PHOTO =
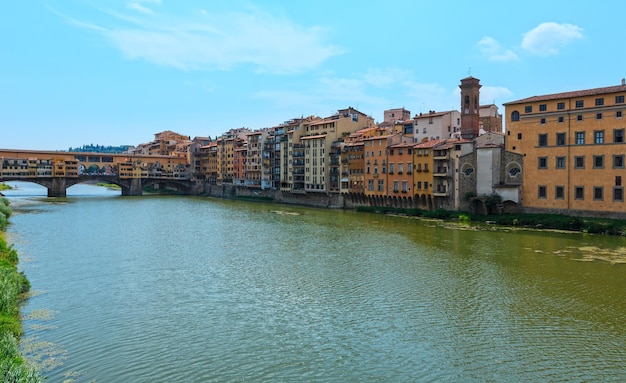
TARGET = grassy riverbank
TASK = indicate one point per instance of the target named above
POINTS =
(535, 221)
(13, 286)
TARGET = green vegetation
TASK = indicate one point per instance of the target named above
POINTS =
(13, 286)
(91, 148)
(110, 186)
(4, 186)
(535, 221)
(254, 198)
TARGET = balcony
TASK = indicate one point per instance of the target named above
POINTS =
(440, 172)
(441, 191)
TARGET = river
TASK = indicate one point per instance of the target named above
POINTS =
(195, 289)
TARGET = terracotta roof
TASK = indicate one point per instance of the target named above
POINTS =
(573, 94)
(488, 145)
(383, 137)
(310, 137)
(434, 114)
(402, 145)
(428, 144)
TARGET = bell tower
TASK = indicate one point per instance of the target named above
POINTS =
(470, 98)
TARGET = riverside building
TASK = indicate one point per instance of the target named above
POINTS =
(573, 148)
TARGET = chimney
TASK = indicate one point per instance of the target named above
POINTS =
(623, 81)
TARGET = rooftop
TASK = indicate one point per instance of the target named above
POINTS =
(572, 94)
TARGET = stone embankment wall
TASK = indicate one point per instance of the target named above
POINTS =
(326, 200)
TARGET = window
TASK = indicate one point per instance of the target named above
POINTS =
(560, 139)
(391, 168)
(618, 180)
(381, 185)
(395, 186)
(618, 194)
(618, 161)
(426, 185)
(560, 162)
(618, 114)
(400, 168)
(419, 185)
(561, 119)
(370, 185)
(599, 101)
(515, 116)
(542, 107)
(580, 104)
(404, 186)
(409, 168)
(618, 135)
(542, 162)
(598, 193)
(598, 116)
(579, 117)
(579, 162)
(619, 99)
(519, 136)
(598, 162)
(543, 140)
(513, 172)
(559, 192)
(580, 138)
(543, 121)
(560, 105)
(541, 192)
(598, 136)
(579, 192)
(528, 109)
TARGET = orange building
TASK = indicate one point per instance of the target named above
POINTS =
(400, 172)
(574, 150)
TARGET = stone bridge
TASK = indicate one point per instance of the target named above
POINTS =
(57, 186)
(57, 171)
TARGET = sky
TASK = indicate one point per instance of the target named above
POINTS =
(115, 72)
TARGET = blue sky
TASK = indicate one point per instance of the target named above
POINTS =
(116, 72)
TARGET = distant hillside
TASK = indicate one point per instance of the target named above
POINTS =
(100, 149)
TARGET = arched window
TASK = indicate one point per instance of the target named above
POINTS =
(515, 116)
(513, 169)
(468, 170)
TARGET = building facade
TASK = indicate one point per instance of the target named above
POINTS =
(573, 148)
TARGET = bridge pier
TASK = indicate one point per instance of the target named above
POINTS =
(58, 188)
(135, 188)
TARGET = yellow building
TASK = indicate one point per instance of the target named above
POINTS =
(422, 173)
(573, 148)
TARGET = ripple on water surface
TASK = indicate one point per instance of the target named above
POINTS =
(195, 290)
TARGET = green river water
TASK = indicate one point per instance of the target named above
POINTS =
(194, 289)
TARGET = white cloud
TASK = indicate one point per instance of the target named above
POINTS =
(547, 38)
(383, 77)
(214, 41)
(489, 47)
(430, 96)
(330, 92)
(494, 94)
(137, 5)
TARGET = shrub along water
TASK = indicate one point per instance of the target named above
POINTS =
(537, 221)
(13, 286)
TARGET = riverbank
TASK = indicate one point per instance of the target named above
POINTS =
(13, 286)
(535, 221)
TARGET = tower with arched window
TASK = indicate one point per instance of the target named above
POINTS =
(470, 103)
